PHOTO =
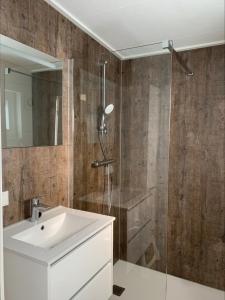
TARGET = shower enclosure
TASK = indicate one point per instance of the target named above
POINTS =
(145, 129)
(164, 141)
(135, 184)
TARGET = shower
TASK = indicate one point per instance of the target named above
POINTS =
(102, 130)
(103, 109)
(103, 112)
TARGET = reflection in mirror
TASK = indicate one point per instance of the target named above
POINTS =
(32, 96)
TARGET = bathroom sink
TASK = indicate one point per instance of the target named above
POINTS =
(59, 231)
(63, 255)
(50, 233)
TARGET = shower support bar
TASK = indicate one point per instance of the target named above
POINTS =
(169, 45)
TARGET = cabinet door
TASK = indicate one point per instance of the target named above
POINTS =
(99, 288)
(74, 270)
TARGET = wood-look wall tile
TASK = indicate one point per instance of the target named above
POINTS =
(39, 23)
(52, 29)
(62, 37)
(35, 162)
(196, 224)
(37, 186)
(15, 20)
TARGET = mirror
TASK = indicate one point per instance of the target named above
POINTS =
(31, 93)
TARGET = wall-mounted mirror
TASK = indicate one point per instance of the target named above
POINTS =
(31, 93)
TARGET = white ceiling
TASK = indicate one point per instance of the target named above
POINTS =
(119, 24)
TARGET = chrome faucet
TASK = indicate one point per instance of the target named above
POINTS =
(36, 209)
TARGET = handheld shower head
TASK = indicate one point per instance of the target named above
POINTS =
(102, 118)
(109, 109)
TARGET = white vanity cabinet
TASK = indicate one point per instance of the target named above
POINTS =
(85, 272)
(71, 273)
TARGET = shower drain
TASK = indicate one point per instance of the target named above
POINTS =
(118, 290)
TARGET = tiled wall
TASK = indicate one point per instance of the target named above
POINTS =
(31, 172)
(196, 227)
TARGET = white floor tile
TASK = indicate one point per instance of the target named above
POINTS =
(145, 284)
(140, 283)
(190, 290)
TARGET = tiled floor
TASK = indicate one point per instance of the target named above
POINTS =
(145, 284)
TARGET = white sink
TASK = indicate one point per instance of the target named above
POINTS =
(65, 255)
(58, 231)
(50, 233)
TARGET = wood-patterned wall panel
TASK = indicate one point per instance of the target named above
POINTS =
(196, 225)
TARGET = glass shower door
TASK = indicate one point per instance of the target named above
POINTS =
(145, 118)
(134, 187)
